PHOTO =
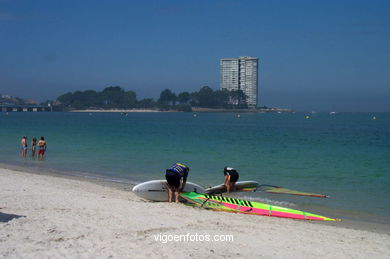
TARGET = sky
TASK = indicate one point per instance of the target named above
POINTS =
(313, 55)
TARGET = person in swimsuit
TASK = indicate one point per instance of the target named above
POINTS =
(23, 142)
(231, 177)
(41, 147)
(33, 146)
(176, 178)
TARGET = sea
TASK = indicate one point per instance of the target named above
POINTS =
(343, 155)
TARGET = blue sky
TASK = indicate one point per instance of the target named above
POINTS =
(314, 55)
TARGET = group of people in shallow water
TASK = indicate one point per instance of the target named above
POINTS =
(177, 174)
(41, 144)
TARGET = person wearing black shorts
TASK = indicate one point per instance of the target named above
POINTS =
(176, 178)
(231, 177)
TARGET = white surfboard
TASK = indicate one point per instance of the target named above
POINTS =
(157, 190)
(242, 186)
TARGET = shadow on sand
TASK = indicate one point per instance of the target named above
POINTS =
(4, 217)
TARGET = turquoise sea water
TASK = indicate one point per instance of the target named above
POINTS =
(344, 155)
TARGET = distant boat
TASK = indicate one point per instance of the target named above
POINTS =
(332, 113)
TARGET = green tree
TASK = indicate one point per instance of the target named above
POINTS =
(129, 99)
(78, 100)
(221, 98)
(146, 103)
(205, 97)
(183, 97)
(65, 99)
(113, 97)
(238, 98)
(110, 97)
(91, 99)
(167, 97)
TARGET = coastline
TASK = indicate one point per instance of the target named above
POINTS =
(195, 109)
(118, 110)
(350, 219)
(258, 110)
(45, 215)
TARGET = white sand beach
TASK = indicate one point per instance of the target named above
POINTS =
(118, 110)
(43, 216)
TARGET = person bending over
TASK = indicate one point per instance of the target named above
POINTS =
(231, 177)
(176, 178)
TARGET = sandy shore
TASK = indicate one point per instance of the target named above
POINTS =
(55, 217)
(118, 110)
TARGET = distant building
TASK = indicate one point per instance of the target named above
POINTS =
(241, 74)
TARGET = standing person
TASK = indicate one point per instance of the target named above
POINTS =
(176, 178)
(33, 146)
(23, 142)
(41, 147)
(231, 177)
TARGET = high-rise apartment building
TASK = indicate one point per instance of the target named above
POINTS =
(241, 74)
